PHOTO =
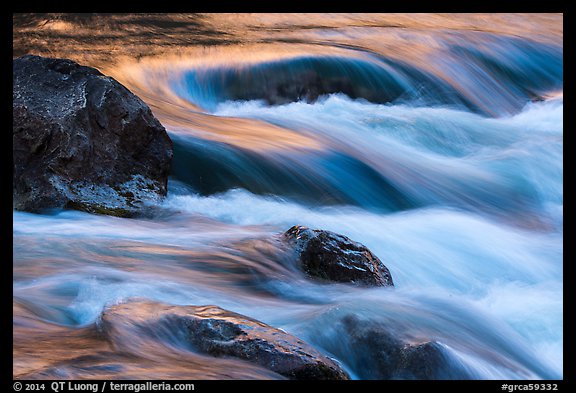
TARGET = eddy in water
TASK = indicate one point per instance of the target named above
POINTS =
(272, 196)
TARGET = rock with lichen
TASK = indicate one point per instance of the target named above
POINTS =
(81, 140)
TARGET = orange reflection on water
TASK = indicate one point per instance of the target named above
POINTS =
(60, 352)
(150, 79)
(145, 51)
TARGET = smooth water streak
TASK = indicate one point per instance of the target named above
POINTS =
(436, 142)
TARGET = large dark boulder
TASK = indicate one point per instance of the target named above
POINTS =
(375, 351)
(214, 331)
(82, 140)
(330, 256)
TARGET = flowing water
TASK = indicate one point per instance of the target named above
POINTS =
(434, 140)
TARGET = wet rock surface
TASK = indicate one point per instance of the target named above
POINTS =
(217, 332)
(380, 354)
(81, 140)
(333, 257)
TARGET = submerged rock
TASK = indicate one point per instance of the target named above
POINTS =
(379, 354)
(214, 331)
(307, 78)
(81, 140)
(330, 256)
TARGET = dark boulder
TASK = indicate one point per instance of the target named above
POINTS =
(330, 256)
(81, 140)
(376, 352)
(221, 333)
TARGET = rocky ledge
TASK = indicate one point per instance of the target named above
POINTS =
(217, 332)
(81, 140)
(329, 256)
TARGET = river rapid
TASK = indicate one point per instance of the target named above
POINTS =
(434, 140)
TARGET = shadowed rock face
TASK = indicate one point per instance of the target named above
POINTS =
(81, 140)
(307, 79)
(221, 333)
(379, 354)
(330, 256)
